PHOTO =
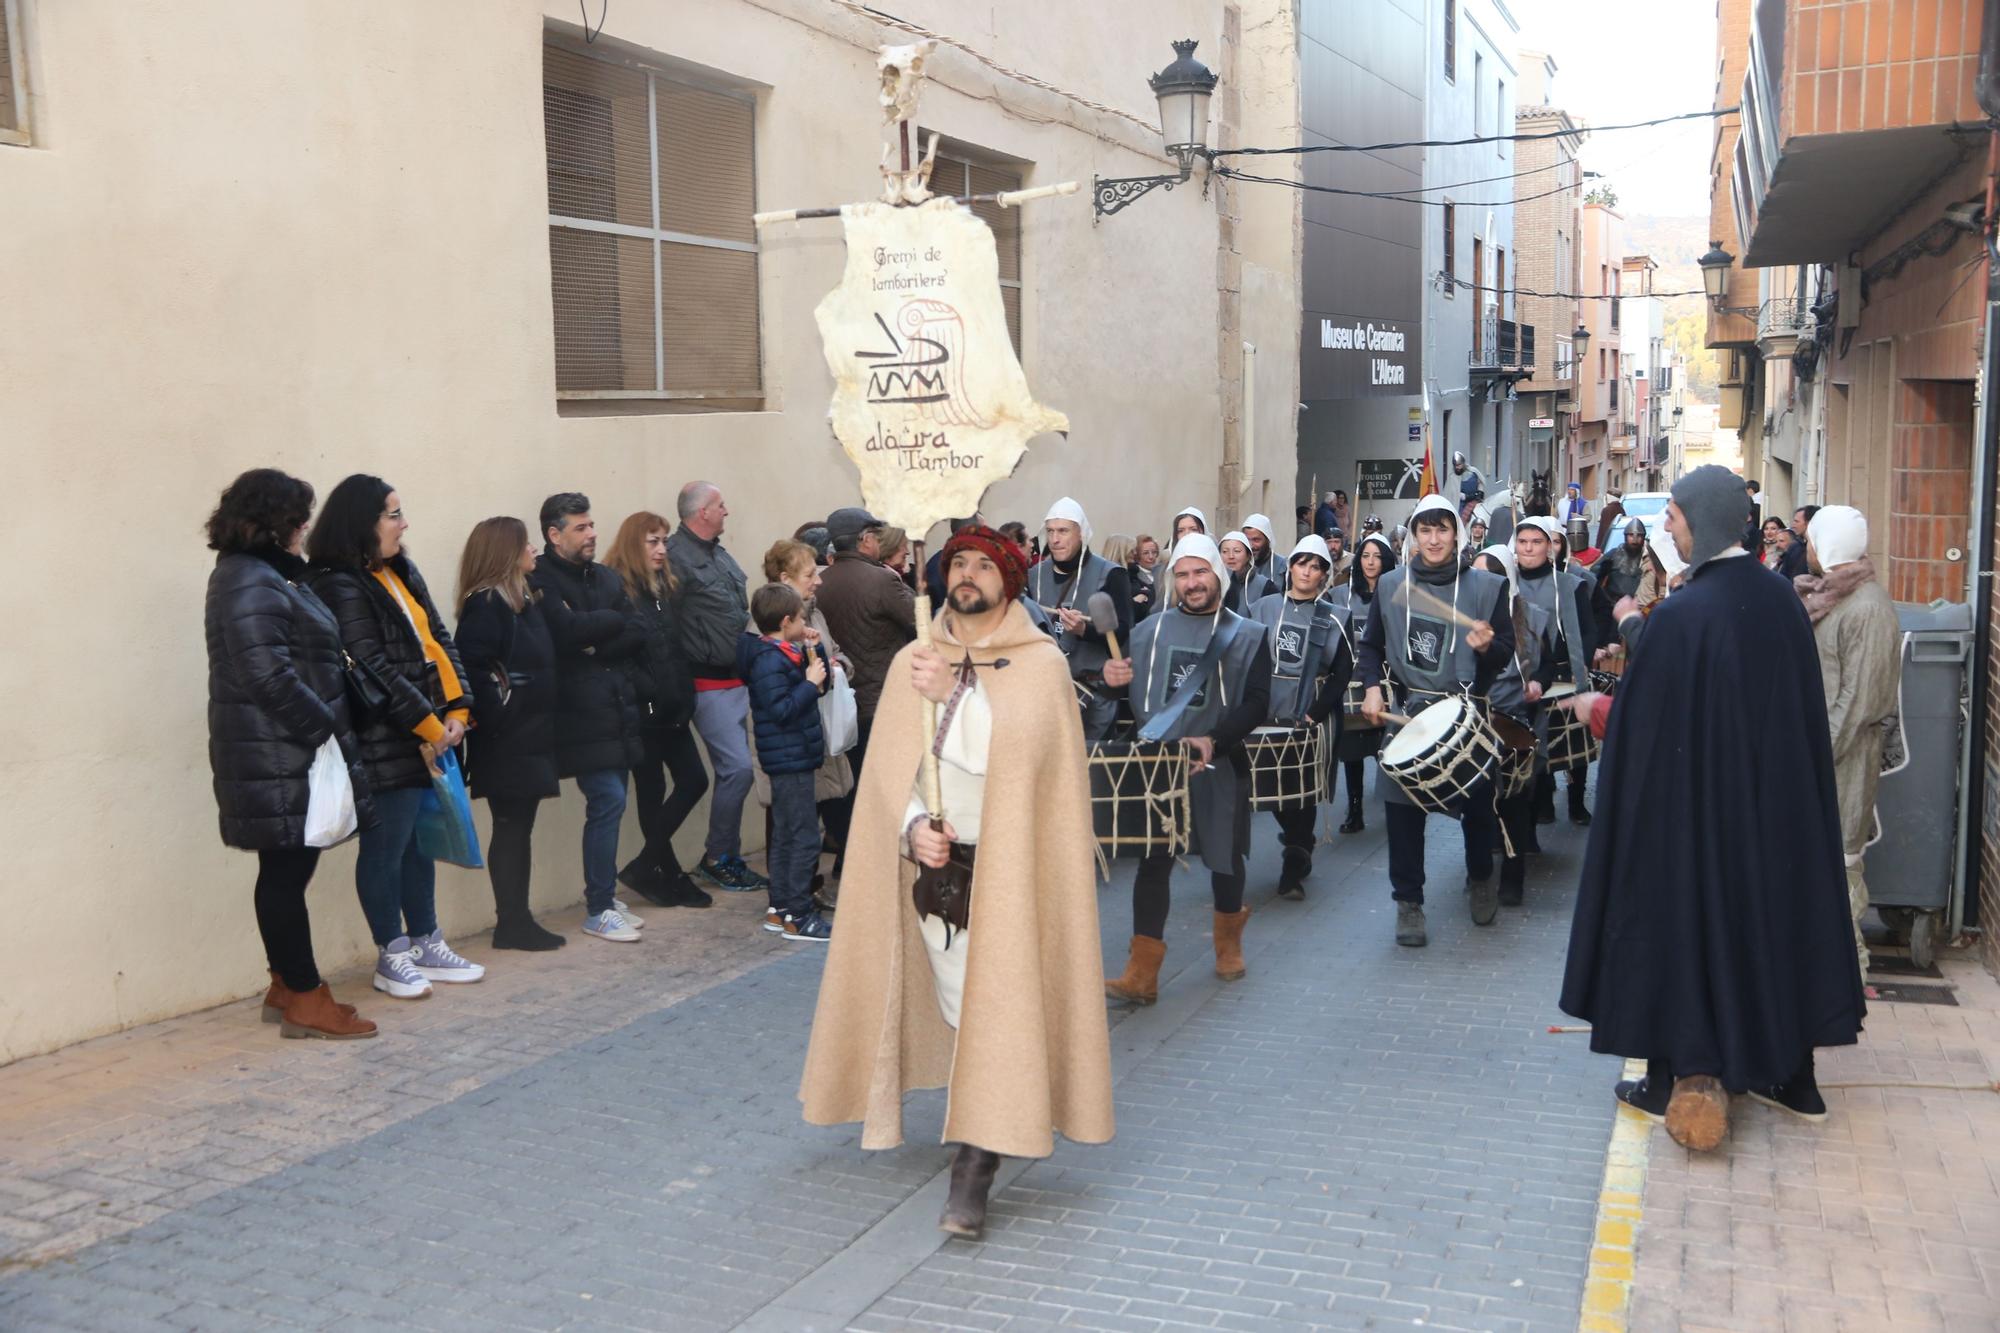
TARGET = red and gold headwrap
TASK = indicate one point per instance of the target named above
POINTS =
(1012, 561)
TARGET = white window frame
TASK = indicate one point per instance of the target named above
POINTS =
(659, 236)
(22, 135)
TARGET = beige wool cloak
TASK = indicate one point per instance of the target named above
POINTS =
(1032, 1055)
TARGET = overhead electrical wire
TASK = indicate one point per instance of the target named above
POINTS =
(1233, 174)
(1469, 285)
(1579, 131)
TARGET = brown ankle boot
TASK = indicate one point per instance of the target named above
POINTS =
(972, 1174)
(274, 1002)
(1229, 944)
(1141, 982)
(315, 1013)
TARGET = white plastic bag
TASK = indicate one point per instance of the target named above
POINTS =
(839, 715)
(330, 818)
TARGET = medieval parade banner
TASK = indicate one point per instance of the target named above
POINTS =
(929, 400)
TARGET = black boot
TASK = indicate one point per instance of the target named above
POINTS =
(972, 1174)
(1296, 865)
(1798, 1094)
(1649, 1096)
(644, 878)
(1513, 879)
(515, 927)
(1354, 823)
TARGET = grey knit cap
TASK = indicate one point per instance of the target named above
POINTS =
(1712, 500)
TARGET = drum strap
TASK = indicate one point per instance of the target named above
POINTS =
(1177, 703)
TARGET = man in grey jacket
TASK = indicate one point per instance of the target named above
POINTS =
(713, 603)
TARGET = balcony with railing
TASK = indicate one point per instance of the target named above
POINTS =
(1839, 134)
(1502, 350)
(1781, 323)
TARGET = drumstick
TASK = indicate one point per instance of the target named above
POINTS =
(1436, 605)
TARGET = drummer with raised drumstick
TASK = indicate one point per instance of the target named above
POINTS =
(1515, 701)
(1564, 597)
(1438, 629)
(1201, 675)
(1311, 661)
(1063, 586)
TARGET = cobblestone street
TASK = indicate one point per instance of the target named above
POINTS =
(1355, 1136)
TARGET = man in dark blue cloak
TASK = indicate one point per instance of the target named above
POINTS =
(1711, 936)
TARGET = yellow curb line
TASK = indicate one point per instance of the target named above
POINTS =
(1607, 1292)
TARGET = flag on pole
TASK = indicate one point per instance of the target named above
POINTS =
(1427, 483)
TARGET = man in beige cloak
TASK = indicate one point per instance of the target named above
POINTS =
(1008, 1013)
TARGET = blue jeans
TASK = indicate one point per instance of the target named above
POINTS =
(603, 811)
(794, 852)
(722, 718)
(396, 882)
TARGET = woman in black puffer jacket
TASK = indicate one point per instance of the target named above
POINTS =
(391, 627)
(670, 780)
(276, 694)
(511, 753)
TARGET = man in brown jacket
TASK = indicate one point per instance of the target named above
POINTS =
(871, 614)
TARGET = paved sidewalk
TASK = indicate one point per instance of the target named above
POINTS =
(1885, 1216)
(1354, 1136)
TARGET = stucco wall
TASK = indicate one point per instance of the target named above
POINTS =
(315, 236)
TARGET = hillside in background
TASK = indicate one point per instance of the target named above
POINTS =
(1675, 243)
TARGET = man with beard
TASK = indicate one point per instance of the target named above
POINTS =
(1006, 872)
(1062, 586)
(1336, 551)
(1311, 661)
(1263, 537)
(1712, 936)
(1621, 570)
(1203, 679)
(1429, 655)
(1562, 596)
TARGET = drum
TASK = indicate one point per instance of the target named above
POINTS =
(1287, 768)
(1569, 740)
(1604, 682)
(1139, 798)
(1516, 775)
(1444, 752)
(1350, 703)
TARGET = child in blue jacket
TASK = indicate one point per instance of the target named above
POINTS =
(786, 676)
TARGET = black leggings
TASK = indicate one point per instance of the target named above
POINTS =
(282, 876)
(510, 854)
(1353, 767)
(670, 756)
(1152, 892)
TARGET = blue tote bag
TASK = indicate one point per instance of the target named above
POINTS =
(444, 824)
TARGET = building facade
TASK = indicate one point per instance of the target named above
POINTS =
(515, 262)
(1598, 395)
(1548, 224)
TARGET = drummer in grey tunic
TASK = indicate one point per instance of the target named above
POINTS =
(1428, 655)
(1354, 598)
(1515, 697)
(1311, 660)
(1201, 675)
(1563, 595)
(1062, 586)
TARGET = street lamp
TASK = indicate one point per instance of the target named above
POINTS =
(1580, 340)
(1182, 89)
(1715, 281)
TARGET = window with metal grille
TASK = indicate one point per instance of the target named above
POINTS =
(1451, 41)
(1450, 212)
(13, 78)
(956, 176)
(652, 253)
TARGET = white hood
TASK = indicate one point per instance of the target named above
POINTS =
(1199, 517)
(1201, 546)
(1067, 510)
(1505, 556)
(1436, 504)
(1661, 543)
(1313, 546)
(1262, 523)
(1548, 526)
(1839, 536)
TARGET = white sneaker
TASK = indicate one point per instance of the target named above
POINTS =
(437, 961)
(618, 906)
(609, 925)
(396, 971)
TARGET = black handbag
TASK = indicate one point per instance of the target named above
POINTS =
(367, 693)
(945, 892)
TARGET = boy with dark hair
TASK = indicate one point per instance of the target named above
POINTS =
(785, 675)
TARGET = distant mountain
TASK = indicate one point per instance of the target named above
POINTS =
(1675, 243)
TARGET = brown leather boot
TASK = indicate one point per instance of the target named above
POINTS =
(274, 1002)
(972, 1174)
(1141, 982)
(1698, 1112)
(1229, 944)
(314, 1013)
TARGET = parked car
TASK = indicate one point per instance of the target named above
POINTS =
(1649, 506)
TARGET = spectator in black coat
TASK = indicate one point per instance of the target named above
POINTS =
(597, 708)
(511, 751)
(276, 694)
(669, 779)
(390, 626)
